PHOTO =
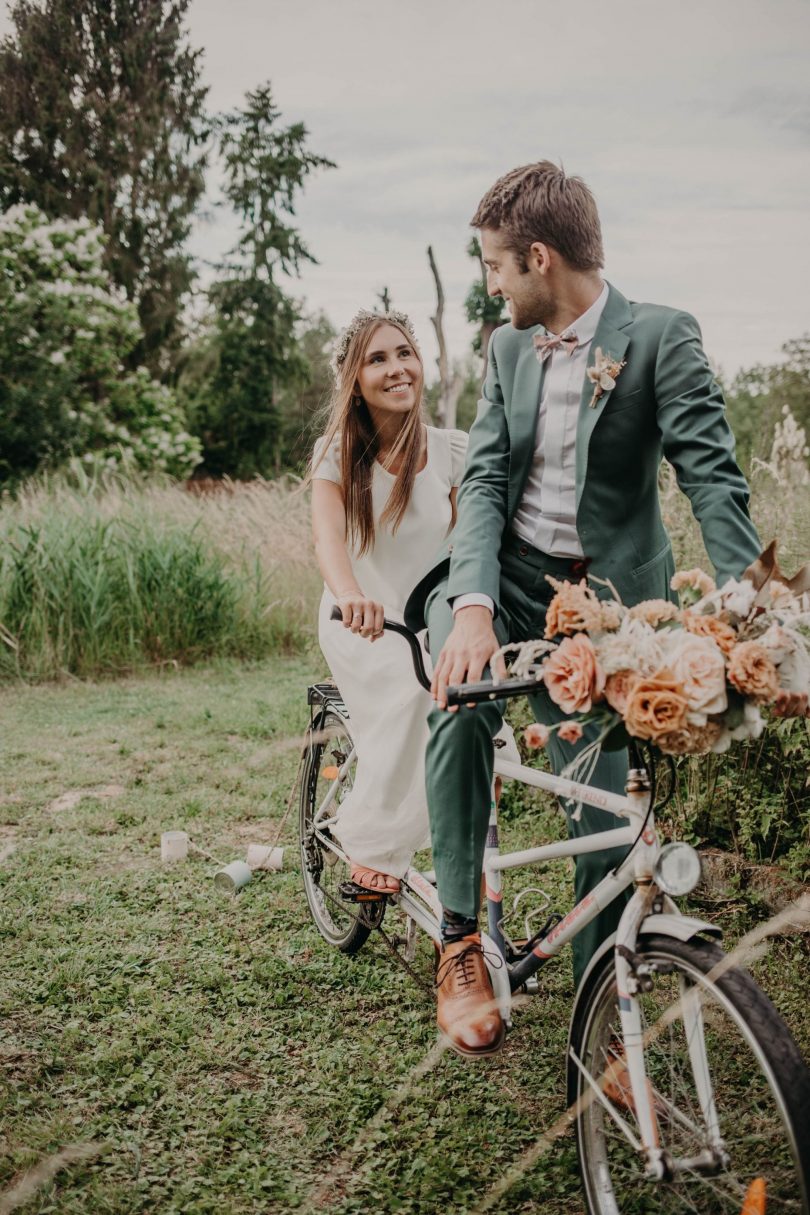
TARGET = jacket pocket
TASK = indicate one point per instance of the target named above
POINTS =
(617, 404)
(659, 557)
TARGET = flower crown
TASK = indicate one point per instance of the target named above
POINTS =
(359, 322)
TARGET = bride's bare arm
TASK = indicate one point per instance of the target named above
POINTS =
(360, 614)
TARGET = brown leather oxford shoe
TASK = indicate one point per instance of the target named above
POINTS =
(467, 1014)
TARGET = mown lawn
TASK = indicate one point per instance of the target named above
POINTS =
(222, 1057)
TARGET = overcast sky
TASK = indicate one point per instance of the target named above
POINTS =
(689, 120)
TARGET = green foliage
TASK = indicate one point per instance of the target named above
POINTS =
(757, 805)
(480, 308)
(252, 351)
(104, 574)
(65, 331)
(756, 398)
(102, 114)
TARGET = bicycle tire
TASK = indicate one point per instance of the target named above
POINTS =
(345, 926)
(761, 1083)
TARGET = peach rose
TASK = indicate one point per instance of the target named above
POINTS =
(654, 611)
(574, 609)
(572, 675)
(656, 706)
(698, 665)
(536, 735)
(710, 626)
(751, 672)
(570, 731)
(617, 689)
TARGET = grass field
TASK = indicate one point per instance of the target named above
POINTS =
(213, 1052)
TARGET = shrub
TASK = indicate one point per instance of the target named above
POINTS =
(64, 332)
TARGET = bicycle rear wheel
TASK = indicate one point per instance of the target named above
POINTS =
(344, 925)
(761, 1090)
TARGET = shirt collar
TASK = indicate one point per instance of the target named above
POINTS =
(585, 326)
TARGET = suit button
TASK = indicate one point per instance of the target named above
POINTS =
(523, 550)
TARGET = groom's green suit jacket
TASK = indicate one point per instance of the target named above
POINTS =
(666, 403)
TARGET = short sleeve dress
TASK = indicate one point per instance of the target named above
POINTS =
(383, 821)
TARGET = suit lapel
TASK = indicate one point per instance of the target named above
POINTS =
(612, 338)
(523, 419)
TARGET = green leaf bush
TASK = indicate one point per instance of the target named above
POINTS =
(65, 331)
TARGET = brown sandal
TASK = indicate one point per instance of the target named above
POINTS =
(373, 879)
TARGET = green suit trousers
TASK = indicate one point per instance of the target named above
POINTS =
(459, 760)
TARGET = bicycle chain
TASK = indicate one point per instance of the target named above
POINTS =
(358, 919)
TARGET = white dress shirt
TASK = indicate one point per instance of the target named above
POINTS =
(546, 513)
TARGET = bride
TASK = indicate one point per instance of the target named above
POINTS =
(383, 500)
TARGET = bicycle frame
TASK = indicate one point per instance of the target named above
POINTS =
(419, 900)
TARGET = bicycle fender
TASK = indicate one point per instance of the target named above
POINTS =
(667, 924)
(682, 927)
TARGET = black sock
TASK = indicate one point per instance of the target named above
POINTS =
(455, 926)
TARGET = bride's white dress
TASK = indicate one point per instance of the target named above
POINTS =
(384, 820)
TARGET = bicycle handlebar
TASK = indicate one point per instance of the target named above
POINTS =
(458, 694)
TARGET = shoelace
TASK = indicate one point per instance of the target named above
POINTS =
(464, 964)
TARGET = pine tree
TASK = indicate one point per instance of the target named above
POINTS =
(102, 114)
(256, 353)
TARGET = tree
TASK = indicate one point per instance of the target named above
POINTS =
(65, 330)
(102, 114)
(255, 354)
(451, 379)
(757, 396)
(482, 309)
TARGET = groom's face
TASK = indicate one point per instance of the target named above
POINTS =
(523, 284)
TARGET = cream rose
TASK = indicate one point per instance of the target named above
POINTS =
(697, 663)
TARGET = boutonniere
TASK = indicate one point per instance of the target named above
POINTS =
(603, 375)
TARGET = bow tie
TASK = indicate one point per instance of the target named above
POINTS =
(567, 340)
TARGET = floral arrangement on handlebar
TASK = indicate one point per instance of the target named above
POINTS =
(690, 677)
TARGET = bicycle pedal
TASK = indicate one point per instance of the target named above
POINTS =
(352, 893)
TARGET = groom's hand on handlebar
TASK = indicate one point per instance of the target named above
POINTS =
(467, 651)
(361, 614)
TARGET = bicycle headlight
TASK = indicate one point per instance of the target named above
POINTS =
(677, 870)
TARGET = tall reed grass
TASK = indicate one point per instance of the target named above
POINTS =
(105, 576)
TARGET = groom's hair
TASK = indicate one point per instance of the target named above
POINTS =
(539, 203)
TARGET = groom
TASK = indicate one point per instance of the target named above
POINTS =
(560, 479)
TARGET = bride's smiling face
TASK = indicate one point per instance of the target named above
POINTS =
(390, 378)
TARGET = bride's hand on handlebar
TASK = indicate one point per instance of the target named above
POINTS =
(361, 614)
(467, 651)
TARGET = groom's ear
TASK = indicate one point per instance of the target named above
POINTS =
(540, 257)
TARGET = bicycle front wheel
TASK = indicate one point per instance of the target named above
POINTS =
(344, 925)
(760, 1082)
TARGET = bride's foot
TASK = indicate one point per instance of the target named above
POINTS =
(372, 879)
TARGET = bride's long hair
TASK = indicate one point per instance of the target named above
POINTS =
(350, 420)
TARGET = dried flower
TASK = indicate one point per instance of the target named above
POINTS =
(573, 677)
(574, 609)
(738, 597)
(636, 646)
(710, 626)
(692, 740)
(603, 374)
(654, 611)
(612, 614)
(751, 672)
